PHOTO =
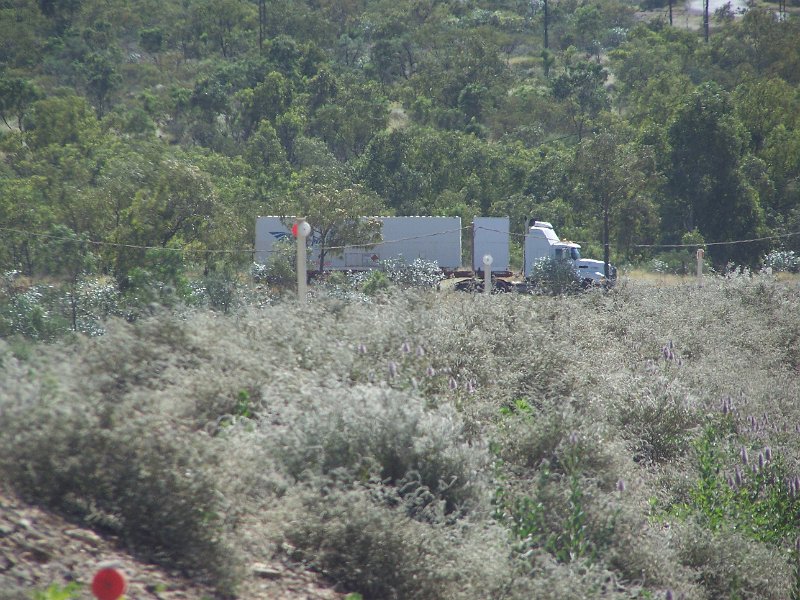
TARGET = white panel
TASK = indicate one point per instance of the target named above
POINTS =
(490, 235)
(430, 238)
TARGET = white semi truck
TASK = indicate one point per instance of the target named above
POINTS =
(438, 239)
(541, 242)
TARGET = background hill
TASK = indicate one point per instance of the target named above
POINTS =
(139, 124)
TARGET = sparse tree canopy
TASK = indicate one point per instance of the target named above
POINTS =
(334, 208)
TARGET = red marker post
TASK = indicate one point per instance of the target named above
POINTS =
(109, 584)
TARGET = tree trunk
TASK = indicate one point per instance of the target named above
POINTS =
(546, 24)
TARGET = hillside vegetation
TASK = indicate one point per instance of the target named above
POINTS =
(640, 443)
(139, 125)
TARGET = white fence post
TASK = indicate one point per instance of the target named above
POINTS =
(700, 254)
(301, 230)
(487, 273)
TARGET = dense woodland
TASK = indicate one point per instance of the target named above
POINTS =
(135, 124)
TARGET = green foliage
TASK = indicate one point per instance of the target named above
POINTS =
(220, 289)
(376, 282)
(335, 208)
(580, 88)
(754, 499)
(56, 592)
(16, 96)
(555, 277)
(706, 178)
(441, 110)
(281, 266)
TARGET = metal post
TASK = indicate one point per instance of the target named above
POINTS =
(487, 273)
(700, 254)
(301, 230)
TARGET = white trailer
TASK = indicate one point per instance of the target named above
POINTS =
(435, 239)
(490, 235)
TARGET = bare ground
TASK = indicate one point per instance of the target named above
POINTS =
(39, 549)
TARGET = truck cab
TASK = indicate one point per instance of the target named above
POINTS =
(542, 242)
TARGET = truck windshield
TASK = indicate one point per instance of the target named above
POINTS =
(575, 253)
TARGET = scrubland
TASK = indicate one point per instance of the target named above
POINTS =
(635, 443)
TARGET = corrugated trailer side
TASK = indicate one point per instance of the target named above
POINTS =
(490, 235)
(404, 238)
(429, 238)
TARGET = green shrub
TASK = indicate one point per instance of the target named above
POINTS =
(554, 277)
(116, 463)
(378, 552)
(363, 433)
(374, 283)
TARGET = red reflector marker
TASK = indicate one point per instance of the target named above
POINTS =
(108, 584)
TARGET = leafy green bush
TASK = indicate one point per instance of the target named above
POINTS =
(281, 267)
(375, 282)
(387, 435)
(782, 260)
(418, 273)
(57, 592)
(554, 277)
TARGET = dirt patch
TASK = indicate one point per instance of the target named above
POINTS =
(39, 549)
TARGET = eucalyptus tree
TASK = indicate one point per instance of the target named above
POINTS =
(347, 113)
(16, 96)
(652, 68)
(333, 205)
(179, 211)
(705, 180)
(612, 175)
(581, 90)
